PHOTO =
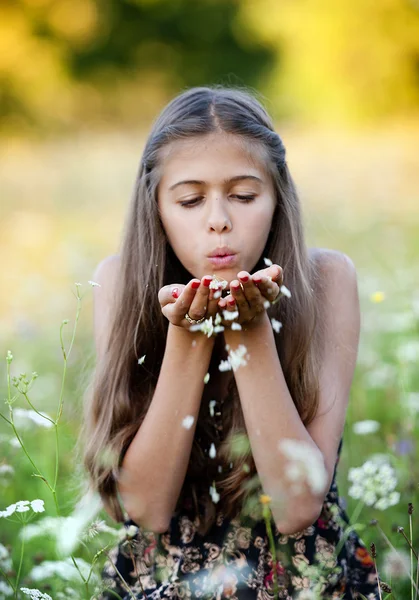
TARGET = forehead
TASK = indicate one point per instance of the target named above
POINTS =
(211, 157)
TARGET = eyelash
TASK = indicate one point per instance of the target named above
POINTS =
(245, 199)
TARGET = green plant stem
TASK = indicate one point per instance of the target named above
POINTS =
(124, 583)
(20, 566)
(7, 579)
(411, 552)
(394, 550)
(267, 514)
(350, 527)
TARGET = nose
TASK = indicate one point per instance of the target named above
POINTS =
(218, 218)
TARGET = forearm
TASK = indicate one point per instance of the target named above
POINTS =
(155, 464)
(270, 416)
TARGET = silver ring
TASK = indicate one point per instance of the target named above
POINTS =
(193, 321)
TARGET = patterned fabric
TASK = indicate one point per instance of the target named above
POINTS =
(234, 560)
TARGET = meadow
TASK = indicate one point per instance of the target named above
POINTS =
(63, 204)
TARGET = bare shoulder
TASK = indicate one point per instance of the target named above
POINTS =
(334, 267)
(107, 270)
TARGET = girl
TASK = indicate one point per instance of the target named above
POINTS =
(226, 350)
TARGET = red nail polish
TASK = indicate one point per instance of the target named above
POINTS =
(175, 292)
(195, 284)
(235, 287)
(231, 302)
(207, 281)
(257, 280)
(244, 278)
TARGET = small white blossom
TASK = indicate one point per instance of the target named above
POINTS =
(22, 506)
(375, 483)
(365, 427)
(285, 291)
(304, 464)
(63, 569)
(276, 325)
(5, 560)
(207, 327)
(212, 451)
(396, 564)
(93, 283)
(5, 590)
(218, 329)
(268, 262)
(35, 594)
(236, 326)
(225, 365)
(6, 469)
(217, 295)
(215, 496)
(212, 404)
(132, 531)
(206, 378)
(9, 357)
(97, 527)
(218, 319)
(236, 359)
(188, 421)
(266, 304)
(141, 360)
(38, 505)
(230, 315)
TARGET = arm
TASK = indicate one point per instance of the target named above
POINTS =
(156, 461)
(155, 464)
(268, 408)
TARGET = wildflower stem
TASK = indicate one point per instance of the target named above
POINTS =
(137, 575)
(394, 550)
(350, 527)
(411, 551)
(124, 583)
(401, 530)
(267, 515)
(22, 548)
(25, 395)
(7, 579)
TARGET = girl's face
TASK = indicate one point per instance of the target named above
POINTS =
(200, 204)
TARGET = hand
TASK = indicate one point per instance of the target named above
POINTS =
(178, 299)
(249, 297)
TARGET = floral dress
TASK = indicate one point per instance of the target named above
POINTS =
(234, 560)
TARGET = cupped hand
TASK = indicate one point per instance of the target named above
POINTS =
(196, 298)
(249, 295)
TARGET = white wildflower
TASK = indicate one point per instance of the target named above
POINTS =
(188, 421)
(97, 527)
(206, 378)
(215, 496)
(48, 526)
(219, 328)
(9, 357)
(218, 319)
(236, 326)
(63, 569)
(141, 360)
(131, 531)
(230, 315)
(22, 506)
(93, 283)
(5, 560)
(22, 418)
(365, 427)
(285, 291)
(381, 376)
(305, 464)
(212, 404)
(396, 564)
(6, 469)
(268, 262)
(70, 529)
(212, 451)
(276, 325)
(225, 365)
(38, 505)
(266, 304)
(375, 483)
(35, 594)
(5, 590)
(207, 327)
(78, 284)
(408, 351)
(217, 295)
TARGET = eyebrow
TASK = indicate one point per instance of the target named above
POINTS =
(196, 181)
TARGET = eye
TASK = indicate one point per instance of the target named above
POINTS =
(244, 199)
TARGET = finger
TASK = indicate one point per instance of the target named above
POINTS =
(199, 304)
(182, 304)
(168, 294)
(241, 301)
(267, 287)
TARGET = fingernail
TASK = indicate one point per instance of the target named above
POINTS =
(207, 281)
(175, 292)
(195, 284)
(257, 280)
(231, 302)
(244, 278)
(235, 287)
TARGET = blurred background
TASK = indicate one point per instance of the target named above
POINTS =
(80, 84)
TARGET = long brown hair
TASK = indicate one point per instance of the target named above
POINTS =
(121, 390)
